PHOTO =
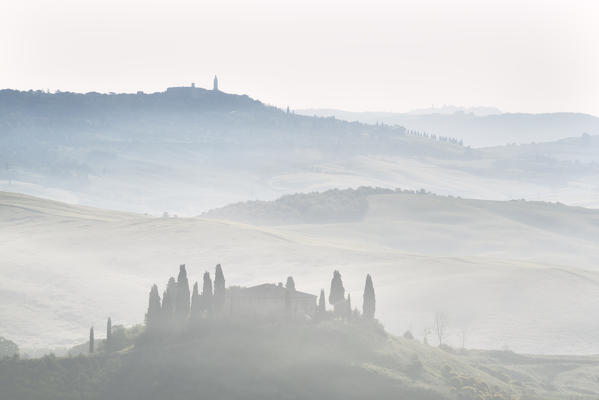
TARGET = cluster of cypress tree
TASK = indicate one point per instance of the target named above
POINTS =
(108, 343)
(342, 305)
(178, 306)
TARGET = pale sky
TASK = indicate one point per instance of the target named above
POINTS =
(529, 56)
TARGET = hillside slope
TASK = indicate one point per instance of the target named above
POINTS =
(187, 150)
(489, 265)
(480, 130)
(580, 149)
(331, 359)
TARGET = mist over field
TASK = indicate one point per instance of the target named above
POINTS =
(483, 126)
(265, 200)
(481, 248)
(488, 265)
(187, 150)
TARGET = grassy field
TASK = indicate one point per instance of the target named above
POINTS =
(515, 275)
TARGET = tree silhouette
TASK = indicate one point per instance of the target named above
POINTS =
(195, 309)
(219, 288)
(108, 334)
(182, 297)
(348, 307)
(337, 292)
(165, 306)
(290, 285)
(169, 301)
(154, 314)
(369, 305)
(91, 340)
(322, 308)
(207, 292)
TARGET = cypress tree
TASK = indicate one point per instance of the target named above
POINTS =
(108, 334)
(337, 292)
(369, 305)
(169, 301)
(219, 288)
(348, 307)
(322, 308)
(182, 296)
(195, 308)
(290, 285)
(289, 295)
(154, 314)
(207, 292)
(164, 302)
(171, 295)
(91, 340)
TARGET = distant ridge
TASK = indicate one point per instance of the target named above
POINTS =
(448, 109)
(186, 150)
(477, 130)
(179, 98)
(352, 205)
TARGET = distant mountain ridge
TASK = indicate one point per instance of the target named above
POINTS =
(182, 139)
(177, 96)
(480, 130)
(187, 150)
(449, 109)
(579, 149)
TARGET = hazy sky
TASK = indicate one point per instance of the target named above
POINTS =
(532, 56)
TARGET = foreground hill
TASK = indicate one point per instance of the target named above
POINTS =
(187, 150)
(331, 359)
(516, 274)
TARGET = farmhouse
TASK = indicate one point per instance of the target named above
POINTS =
(269, 299)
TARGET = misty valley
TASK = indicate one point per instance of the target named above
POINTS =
(439, 254)
(269, 339)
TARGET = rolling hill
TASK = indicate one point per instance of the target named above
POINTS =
(187, 150)
(489, 265)
(494, 129)
(331, 359)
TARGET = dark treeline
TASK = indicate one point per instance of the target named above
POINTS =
(436, 138)
(329, 206)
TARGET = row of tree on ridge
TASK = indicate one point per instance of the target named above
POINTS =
(179, 307)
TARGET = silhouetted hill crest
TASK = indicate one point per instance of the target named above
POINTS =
(173, 99)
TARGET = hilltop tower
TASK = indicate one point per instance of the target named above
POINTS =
(215, 84)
